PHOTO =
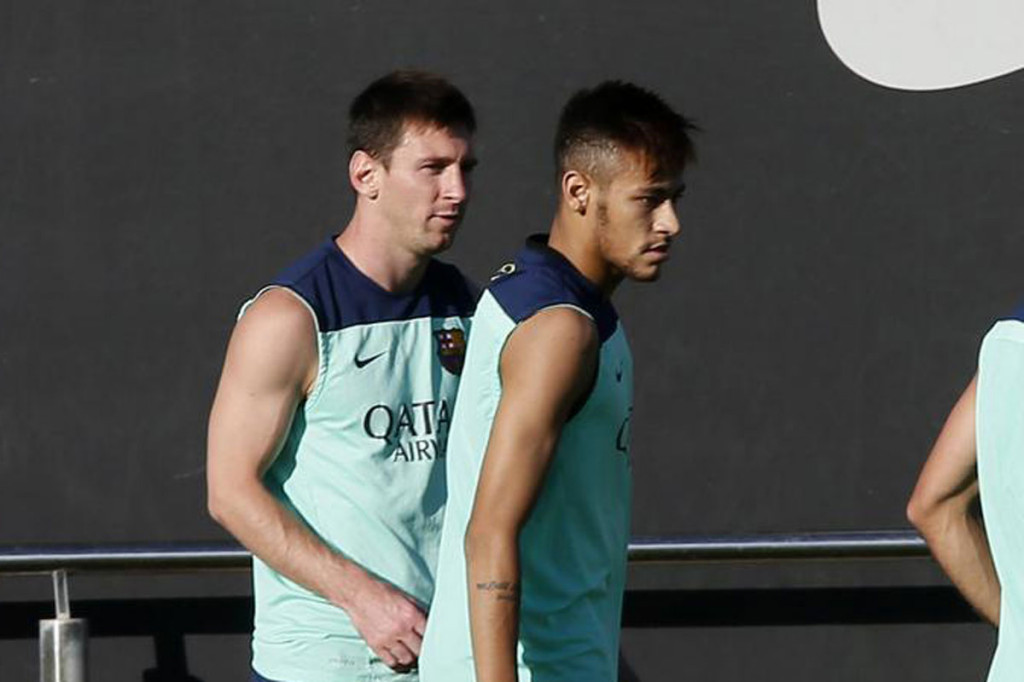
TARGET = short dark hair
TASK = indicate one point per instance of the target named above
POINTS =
(614, 116)
(379, 113)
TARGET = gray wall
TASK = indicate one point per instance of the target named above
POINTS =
(844, 249)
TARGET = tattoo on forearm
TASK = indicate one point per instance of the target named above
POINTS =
(503, 591)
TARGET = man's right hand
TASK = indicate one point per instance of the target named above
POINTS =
(390, 621)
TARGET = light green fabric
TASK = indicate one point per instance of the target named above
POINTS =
(572, 549)
(361, 468)
(1000, 433)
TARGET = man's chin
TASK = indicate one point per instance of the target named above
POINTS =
(645, 274)
(438, 243)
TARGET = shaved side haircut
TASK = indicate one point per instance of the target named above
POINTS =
(598, 124)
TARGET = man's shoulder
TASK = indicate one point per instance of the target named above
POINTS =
(1007, 331)
(341, 296)
(305, 267)
(522, 289)
(313, 279)
(279, 313)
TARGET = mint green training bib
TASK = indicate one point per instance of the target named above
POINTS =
(363, 463)
(573, 546)
(1000, 434)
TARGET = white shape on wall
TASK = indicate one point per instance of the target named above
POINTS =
(925, 44)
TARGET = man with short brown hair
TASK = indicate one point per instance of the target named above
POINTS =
(328, 431)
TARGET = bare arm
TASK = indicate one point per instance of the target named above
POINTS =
(943, 508)
(270, 365)
(547, 365)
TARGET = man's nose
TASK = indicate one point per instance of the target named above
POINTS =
(667, 220)
(456, 185)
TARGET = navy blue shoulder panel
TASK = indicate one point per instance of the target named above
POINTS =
(541, 277)
(341, 296)
(449, 292)
(1017, 314)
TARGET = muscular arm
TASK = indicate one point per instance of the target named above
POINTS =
(270, 365)
(546, 367)
(943, 508)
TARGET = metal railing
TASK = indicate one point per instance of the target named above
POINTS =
(63, 640)
(226, 556)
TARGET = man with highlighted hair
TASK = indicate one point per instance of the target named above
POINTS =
(980, 455)
(533, 553)
(328, 431)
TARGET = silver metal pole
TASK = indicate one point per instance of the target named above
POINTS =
(63, 641)
(222, 556)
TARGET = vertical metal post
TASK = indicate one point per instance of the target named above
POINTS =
(63, 641)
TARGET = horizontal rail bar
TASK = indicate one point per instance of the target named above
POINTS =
(224, 556)
(891, 544)
(895, 544)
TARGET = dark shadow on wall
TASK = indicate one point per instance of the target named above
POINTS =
(167, 621)
(626, 672)
(171, 662)
(795, 606)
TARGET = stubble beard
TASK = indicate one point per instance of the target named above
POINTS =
(629, 268)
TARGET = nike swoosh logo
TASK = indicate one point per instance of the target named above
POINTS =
(363, 363)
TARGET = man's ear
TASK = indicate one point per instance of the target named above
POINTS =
(576, 188)
(364, 174)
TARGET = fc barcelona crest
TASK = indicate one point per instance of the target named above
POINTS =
(451, 349)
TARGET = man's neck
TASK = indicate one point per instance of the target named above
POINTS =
(369, 247)
(577, 241)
